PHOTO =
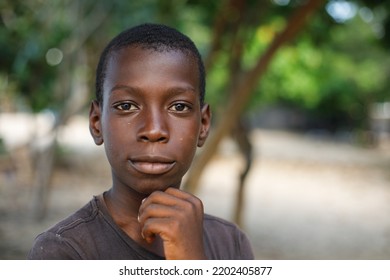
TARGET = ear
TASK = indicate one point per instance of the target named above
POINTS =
(205, 124)
(95, 124)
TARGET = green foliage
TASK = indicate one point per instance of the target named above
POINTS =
(331, 72)
(28, 29)
(332, 69)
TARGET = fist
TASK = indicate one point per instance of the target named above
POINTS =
(177, 218)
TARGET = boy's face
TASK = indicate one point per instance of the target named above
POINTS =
(150, 119)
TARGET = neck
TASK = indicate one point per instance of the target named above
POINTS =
(123, 204)
(123, 207)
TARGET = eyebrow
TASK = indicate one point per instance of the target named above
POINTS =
(123, 87)
(132, 89)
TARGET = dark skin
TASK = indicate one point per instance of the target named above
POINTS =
(151, 123)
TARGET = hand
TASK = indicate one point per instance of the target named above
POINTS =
(177, 217)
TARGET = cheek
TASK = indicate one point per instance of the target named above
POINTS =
(114, 138)
(186, 144)
(186, 134)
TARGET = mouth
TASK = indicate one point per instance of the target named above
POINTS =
(152, 165)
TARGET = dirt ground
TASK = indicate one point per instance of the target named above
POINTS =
(305, 198)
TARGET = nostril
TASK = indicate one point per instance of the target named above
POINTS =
(162, 139)
(153, 137)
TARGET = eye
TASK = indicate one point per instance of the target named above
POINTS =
(179, 107)
(126, 106)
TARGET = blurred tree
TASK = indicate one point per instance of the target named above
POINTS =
(327, 76)
(47, 57)
(322, 73)
(241, 86)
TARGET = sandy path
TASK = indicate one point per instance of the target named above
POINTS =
(308, 199)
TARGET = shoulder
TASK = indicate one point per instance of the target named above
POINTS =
(213, 219)
(219, 227)
(77, 220)
(59, 242)
(225, 240)
(50, 246)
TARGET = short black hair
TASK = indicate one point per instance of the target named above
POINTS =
(157, 37)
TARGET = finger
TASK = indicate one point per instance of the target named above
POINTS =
(156, 211)
(164, 227)
(149, 238)
(173, 206)
(159, 197)
(182, 208)
(178, 242)
(178, 193)
(185, 196)
(151, 214)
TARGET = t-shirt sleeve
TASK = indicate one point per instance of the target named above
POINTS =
(225, 240)
(51, 246)
(245, 247)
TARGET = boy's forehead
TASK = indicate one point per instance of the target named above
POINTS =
(141, 62)
(126, 56)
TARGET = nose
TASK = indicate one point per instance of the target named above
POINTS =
(153, 128)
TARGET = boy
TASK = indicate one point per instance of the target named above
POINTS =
(150, 115)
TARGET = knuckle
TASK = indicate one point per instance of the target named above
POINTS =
(187, 207)
(196, 203)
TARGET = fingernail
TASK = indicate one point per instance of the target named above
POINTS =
(138, 217)
(143, 200)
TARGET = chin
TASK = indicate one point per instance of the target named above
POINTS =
(148, 189)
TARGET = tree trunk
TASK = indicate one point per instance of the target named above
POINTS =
(241, 135)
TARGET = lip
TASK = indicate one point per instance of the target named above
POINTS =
(152, 165)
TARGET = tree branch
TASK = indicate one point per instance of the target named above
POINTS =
(243, 90)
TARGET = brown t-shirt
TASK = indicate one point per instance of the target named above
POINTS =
(90, 233)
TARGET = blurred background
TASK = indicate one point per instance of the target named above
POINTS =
(299, 154)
